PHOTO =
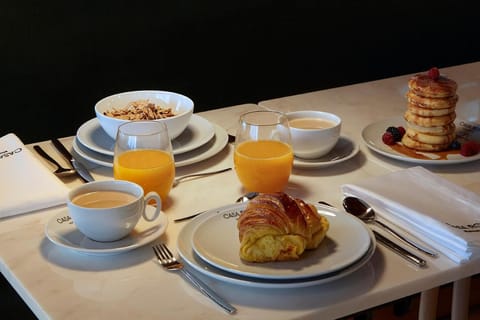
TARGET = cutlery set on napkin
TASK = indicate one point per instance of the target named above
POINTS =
(427, 206)
(27, 185)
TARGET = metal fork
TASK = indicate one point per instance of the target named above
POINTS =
(168, 261)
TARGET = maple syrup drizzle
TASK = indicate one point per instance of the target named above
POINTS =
(442, 155)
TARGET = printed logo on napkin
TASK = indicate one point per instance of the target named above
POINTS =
(475, 227)
(6, 153)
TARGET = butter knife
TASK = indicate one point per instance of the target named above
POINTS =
(400, 250)
(82, 172)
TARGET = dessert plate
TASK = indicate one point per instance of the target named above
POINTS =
(61, 230)
(372, 137)
(344, 149)
(185, 249)
(207, 150)
(348, 239)
(198, 132)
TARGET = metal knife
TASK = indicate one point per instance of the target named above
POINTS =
(399, 250)
(82, 172)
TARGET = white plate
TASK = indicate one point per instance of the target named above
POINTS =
(208, 150)
(198, 132)
(344, 149)
(61, 230)
(185, 249)
(372, 136)
(347, 240)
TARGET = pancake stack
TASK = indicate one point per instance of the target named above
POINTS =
(430, 114)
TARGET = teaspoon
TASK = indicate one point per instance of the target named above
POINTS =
(364, 212)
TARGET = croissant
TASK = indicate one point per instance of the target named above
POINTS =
(277, 227)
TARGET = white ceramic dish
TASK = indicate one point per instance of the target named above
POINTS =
(344, 149)
(207, 150)
(61, 230)
(198, 132)
(185, 249)
(372, 137)
(181, 106)
(346, 242)
(314, 133)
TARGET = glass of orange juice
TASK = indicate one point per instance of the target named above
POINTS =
(263, 156)
(143, 154)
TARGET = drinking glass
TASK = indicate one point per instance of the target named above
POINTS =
(263, 156)
(143, 154)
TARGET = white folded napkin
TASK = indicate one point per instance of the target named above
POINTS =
(27, 184)
(435, 210)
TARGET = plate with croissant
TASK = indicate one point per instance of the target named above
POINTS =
(276, 237)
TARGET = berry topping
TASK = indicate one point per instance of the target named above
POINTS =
(455, 145)
(402, 130)
(433, 73)
(469, 148)
(388, 138)
(397, 135)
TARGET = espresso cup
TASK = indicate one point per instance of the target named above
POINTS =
(109, 210)
(314, 133)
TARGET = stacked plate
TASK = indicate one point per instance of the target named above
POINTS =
(348, 246)
(200, 140)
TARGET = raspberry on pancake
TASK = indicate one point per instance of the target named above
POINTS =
(423, 85)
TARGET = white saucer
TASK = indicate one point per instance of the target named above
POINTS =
(61, 230)
(372, 137)
(198, 132)
(343, 150)
(207, 150)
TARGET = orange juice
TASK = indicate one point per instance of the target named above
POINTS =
(153, 169)
(263, 165)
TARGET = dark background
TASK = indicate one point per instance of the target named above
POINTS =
(59, 57)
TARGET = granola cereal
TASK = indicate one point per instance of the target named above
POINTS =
(140, 110)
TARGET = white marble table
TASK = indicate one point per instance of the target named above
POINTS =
(59, 284)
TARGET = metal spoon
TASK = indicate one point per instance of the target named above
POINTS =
(61, 171)
(243, 198)
(201, 174)
(363, 211)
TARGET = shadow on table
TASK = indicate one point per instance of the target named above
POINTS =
(310, 298)
(68, 259)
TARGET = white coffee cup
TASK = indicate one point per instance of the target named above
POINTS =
(109, 210)
(314, 133)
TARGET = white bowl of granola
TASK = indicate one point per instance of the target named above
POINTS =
(173, 108)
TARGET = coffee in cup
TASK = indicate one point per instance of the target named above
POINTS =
(109, 210)
(314, 133)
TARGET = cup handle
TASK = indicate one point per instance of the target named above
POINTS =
(158, 205)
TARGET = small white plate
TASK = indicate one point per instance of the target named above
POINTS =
(198, 132)
(185, 250)
(61, 230)
(344, 149)
(347, 240)
(372, 137)
(208, 150)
